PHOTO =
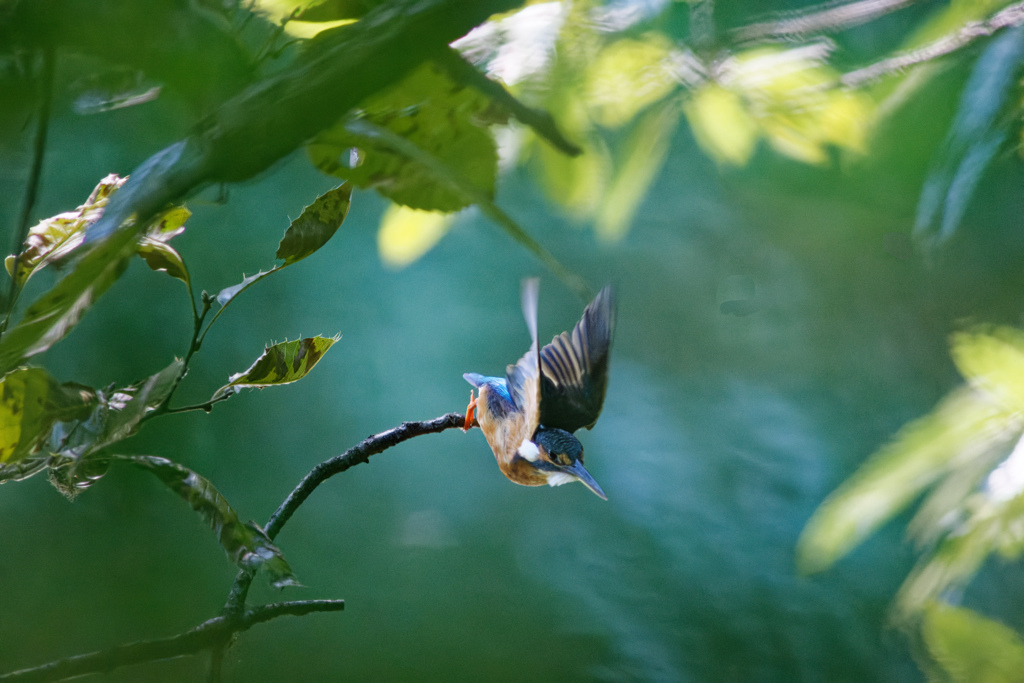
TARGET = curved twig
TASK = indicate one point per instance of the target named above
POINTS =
(210, 634)
(359, 453)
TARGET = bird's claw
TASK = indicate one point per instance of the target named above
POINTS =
(470, 413)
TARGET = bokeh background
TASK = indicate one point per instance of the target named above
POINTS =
(721, 433)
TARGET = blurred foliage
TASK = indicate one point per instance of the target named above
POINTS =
(618, 84)
(967, 457)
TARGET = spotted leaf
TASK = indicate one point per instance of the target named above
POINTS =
(282, 363)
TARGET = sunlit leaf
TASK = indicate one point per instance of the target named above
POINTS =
(971, 648)
(993, 361)
(440, 117)
(227, 295)
(407, 234)
(646, 150)
(721, 124)
(964, 425)
(162, 257)
(31, 403)
(57, 311)
(56, 237)
(315, 225)
(627, 77)
(282, 363)
(245, 543)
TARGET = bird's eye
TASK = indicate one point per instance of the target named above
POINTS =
(561, 459)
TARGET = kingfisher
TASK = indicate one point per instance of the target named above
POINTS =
(528, 416)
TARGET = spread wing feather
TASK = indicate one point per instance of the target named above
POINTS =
(524, 377)
(574, 368)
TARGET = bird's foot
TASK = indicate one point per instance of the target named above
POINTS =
(470, 413)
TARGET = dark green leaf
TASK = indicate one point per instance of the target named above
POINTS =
(56, 237)
(438, 116)
(335, 10)
(245, 543)
(53, 315)
(315, 225)
(31, 403)
(282, 363)
(123, 421)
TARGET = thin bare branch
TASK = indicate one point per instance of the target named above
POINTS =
(1010, 16)
(359, 453)
(209, 634)
(828, 17)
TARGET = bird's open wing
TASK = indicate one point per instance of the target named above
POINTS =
(524, 377)
(575, 368)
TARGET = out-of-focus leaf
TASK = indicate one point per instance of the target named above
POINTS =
(71, 476)
(57, 311)
(407, 234)
(721, 124)
(246, 544)
(974, 138)
(56, 237)
(334, 10)
(646, 150)
(971, 648)
(31, 403)
(306, 19)
(442, 118)
(282, 363)
(964, 425)
(315, 225)
(122, 423)
(993, 361)
(627, 77)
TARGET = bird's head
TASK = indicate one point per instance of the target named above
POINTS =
(558, 455)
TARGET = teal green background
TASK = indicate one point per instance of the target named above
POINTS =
(720, 434)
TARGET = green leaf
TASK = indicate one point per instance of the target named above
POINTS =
(963, 426)
(228, 294)
(56, 237)
(437, 115)
(282, 363)
(162, 257)
(55, 313)
(245, 543)
(135, 402)
(646, 150)
(971, 648)
(992, 360)
(315, 225)
(31, 403)
(407, 234)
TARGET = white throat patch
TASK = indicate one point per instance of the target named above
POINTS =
(559, 478)
(528, 450)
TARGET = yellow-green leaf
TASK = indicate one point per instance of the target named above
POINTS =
(162, 257)
(627, 77)
(58, 236)
(721, 124)
(407, 234)
(972, 648)
(993, 361)
(282, 363)
(31, 403)
(964, 424)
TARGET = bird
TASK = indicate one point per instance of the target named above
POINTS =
(528, 416)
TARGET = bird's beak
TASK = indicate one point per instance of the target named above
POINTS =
(580, 472)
